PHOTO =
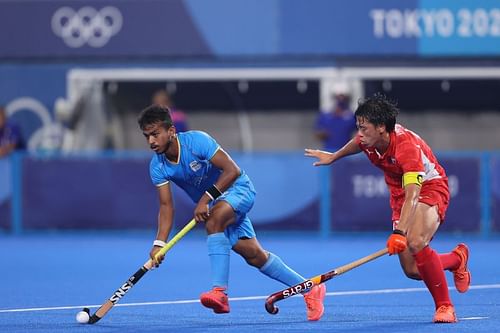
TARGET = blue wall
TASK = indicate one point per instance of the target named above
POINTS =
(113, 191)
(262, 28)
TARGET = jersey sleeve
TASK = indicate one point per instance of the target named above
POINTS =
(409, 157)
(158, 178)
(203, 145)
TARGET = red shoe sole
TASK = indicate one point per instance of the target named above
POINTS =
(214, 305)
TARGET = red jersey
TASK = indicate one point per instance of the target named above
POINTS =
(408, 153)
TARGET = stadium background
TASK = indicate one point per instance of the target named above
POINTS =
(78, 211)
(253, 74)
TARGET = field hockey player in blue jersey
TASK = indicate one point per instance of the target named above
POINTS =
(224, 194)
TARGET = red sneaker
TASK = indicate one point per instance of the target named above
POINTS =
(445, 314)
(314, 302)
(215, 299)
(461, 275)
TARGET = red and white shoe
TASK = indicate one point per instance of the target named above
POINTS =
(314, 302)
(216, 299)
(461, 275)
(445, 314)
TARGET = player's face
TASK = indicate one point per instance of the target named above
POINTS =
(159, 138)
(369, 134)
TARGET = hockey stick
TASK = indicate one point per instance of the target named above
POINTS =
(308, 284)
(120, 292)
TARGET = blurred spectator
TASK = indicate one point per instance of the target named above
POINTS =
(336, 126)
(161, 97)
(10, 135)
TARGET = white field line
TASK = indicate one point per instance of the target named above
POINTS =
(248, 298)
(474, 318)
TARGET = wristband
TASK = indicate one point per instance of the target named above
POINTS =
(399, 232)
(159, 243)
(213, 192)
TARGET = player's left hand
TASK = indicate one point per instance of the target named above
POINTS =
(397, 243)
(324, 157)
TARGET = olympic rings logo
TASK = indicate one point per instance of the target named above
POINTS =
(87, 25)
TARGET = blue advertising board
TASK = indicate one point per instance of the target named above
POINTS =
(85, 193)
(96, 191)
(5, 192)
(459, 27)
(107, 191)
(495, 193)
(360, 199)
(98, 29)
(464, 179)
(228, 28)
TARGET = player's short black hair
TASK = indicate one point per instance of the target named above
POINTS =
(154, 114)
(378, 110)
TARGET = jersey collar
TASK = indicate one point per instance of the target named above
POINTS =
(390, 149)
(178, 152)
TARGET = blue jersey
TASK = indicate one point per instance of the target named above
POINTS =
(193, 172)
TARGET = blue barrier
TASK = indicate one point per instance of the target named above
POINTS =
(112, 190)
(17, 208)
(486, 194)
(5, 192)
(416, 28)
(492, 193)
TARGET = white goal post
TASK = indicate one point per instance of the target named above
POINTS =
(83, 81)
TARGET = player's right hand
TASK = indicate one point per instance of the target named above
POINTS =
(324, 157)
(396, 243)
(201, 212)
(152, 255)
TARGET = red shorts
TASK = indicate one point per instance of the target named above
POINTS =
(433, 193)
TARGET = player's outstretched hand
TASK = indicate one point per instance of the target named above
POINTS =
(324, 157)
(396, 243)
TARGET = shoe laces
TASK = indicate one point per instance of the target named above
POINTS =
(445, 314)
(443, 309)
(310, 302)
(219, 293)
(460, 272)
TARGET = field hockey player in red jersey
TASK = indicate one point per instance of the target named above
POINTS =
(419, 197)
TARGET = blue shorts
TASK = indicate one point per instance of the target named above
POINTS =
(240, 196)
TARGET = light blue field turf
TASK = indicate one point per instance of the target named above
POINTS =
(47, 278)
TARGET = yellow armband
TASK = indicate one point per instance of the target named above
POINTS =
(413, 178)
